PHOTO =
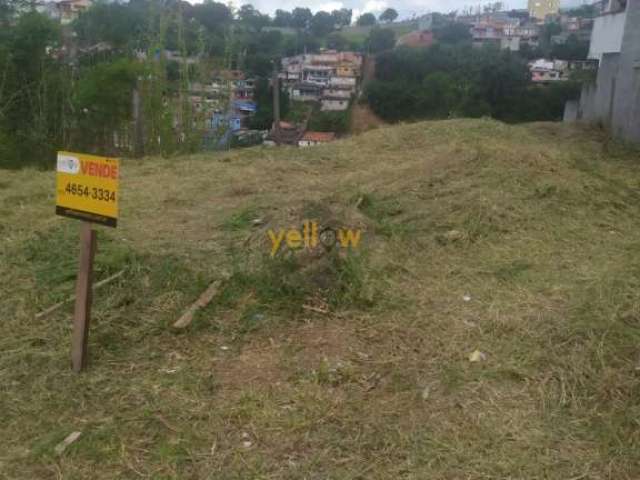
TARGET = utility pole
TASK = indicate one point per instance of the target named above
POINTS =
(138, 134)
(276, 104)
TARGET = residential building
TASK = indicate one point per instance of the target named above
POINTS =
(309, 139)
(334, 103)
(549, 71)
(502, 34)
(326, 75)
(539, 9)
(306, 92)
(613, 100)
(69, 10)
(244, 89)
(348, 82)
(318, 74)
(347, 70)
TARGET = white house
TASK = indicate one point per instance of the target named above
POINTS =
(334, 104)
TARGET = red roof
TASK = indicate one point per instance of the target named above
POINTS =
(319, 137)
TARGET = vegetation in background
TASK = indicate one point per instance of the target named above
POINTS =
(72, 87)
(366, 20)
(461, 81)
(34, 92)
(337, 122)
(381, 39)
(263, 119)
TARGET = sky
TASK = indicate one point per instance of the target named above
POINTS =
(406, 8)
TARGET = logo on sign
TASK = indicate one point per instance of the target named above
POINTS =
(68, 164)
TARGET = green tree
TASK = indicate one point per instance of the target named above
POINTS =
(252, 19)
(572, 49)
(104, 101)
(381, 39)
(301, 18)
(263, 119)
(283, 18)
(366, 20)
(34, 92)
(213, 16)
(336, 41)
(389, 15)
(439, 98)
(453, 33)
(115, 23)
(322, 24)
(342, 17)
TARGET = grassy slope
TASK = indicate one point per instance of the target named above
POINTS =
(360, 34)
(546, 220)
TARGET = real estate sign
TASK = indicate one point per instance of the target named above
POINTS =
(87, 188)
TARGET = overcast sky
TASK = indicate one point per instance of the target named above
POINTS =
(406, 8)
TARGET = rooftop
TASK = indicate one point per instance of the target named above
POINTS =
(319, 136)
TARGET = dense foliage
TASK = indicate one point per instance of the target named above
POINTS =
(33, 89)
(76, 86)
(445, 81)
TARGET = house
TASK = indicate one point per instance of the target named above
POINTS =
(613, 100)
(346, 70)
(348, 82)
(540, 9)
(548, 71)
(220, 120)
(318, 74)
(328, 58)
(328, 77)
(332, 103)
(502, 34)
(244, 89)
(50, 9)
(306, 92)
(310, 139)
(175, 56)
(337, 91)
(417, 39)
(69, 10)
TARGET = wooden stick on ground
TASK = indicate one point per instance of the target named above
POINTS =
(204, 300)
(59, 305)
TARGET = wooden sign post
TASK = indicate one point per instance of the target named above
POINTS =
(82, 312)
(87, 189)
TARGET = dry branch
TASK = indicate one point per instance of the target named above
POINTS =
(204, 300)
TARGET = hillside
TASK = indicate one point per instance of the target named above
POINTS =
(520, 242)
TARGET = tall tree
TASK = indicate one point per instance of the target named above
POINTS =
(301, 18)
(252, 18)
(283, 18)
(322, 24)
(366, 20)
(381, 39)
(342, 17)
(389, 15)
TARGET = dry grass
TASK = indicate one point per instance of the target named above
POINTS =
(535, 226)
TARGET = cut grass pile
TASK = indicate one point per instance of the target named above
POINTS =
(517, 241)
